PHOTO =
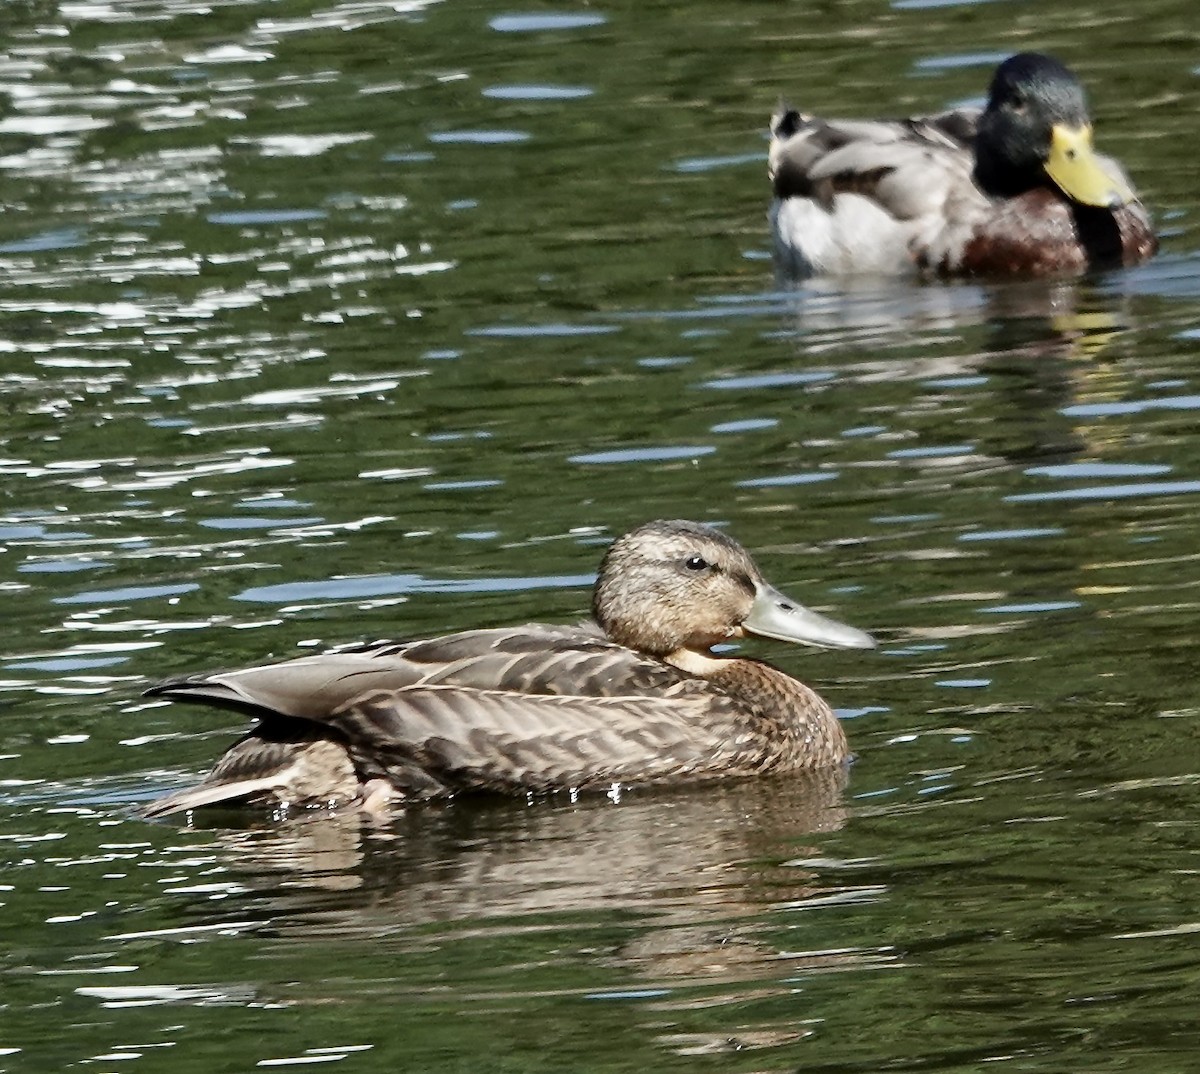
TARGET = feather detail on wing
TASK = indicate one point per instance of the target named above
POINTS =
(906, 166)
(557, 661)
(493, 740)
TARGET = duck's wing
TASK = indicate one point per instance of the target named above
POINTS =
(909, 167)
(536, 707)
(527, 660)
(493, 740)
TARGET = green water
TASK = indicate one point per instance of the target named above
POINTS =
(330, 321)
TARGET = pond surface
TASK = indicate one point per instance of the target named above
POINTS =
(324, 322)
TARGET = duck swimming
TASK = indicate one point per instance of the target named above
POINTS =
(1013, 190)
(637, 697)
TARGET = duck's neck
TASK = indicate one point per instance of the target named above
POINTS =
(792, 716)
(1000, 175)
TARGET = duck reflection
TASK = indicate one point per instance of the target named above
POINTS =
(1041, 345)
(688, 903)
(1080, 316)
(698, 871)
(497, 858)
(1044, 353)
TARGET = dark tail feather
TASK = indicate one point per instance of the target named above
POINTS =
(205, 691)
(786, 120)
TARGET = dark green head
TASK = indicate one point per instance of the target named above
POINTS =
(1036, 132)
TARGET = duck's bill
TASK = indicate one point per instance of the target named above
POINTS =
(774, 615)
(1079, 173)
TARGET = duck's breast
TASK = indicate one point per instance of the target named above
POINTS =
(1040, 233)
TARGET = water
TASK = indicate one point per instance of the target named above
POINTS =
(324, 322)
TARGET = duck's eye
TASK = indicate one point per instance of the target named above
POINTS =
(696, 564)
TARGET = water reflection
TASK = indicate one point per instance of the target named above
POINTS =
(1034, 349)
(479, 859)
(695, 876)
(1078, 316)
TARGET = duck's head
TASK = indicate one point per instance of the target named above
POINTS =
(1035, 129)
(671, 586)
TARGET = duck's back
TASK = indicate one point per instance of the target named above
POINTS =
(814, 157)
(857, 196)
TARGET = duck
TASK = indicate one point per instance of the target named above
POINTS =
(636, 696)
(1013, 190)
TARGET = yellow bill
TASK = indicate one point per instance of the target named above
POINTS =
(1077, 171)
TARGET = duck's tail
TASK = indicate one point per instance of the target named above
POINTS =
(786, 121)
(206, 794)
(281, 760)
(208, 690)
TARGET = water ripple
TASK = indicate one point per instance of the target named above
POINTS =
(1109, 492)
(545, 20)
(642, 454)
(379, 585)
(1140, 406)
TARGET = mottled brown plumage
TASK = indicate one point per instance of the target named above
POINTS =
(1012, 190)
(637, 697)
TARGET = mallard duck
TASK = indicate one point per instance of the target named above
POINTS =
(636, 697)
(1013, 190)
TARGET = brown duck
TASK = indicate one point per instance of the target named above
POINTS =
(638, 697)
(1014, 190)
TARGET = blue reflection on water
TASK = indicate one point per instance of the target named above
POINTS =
(960, 59)
(865, 710)
(66, 663)
(746, 425)
(788, 479)
(54, 239)
(479, 137)
(666, 361)
(519, 330)
(383, 585)
(919, 5)
(643, 454)
(265, 216)
(254, 523)
(708, 164)
(1133, 406)
(1108, 492)
(632, 993)
(459, 486)
(135, 592)
(545, 20)
(271, 503)
(1012, 535)
(931, 452)
(769, 380)
(1032, 606)
(18, 532)
(537, 93)
(61, 566)
(1100, 469)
